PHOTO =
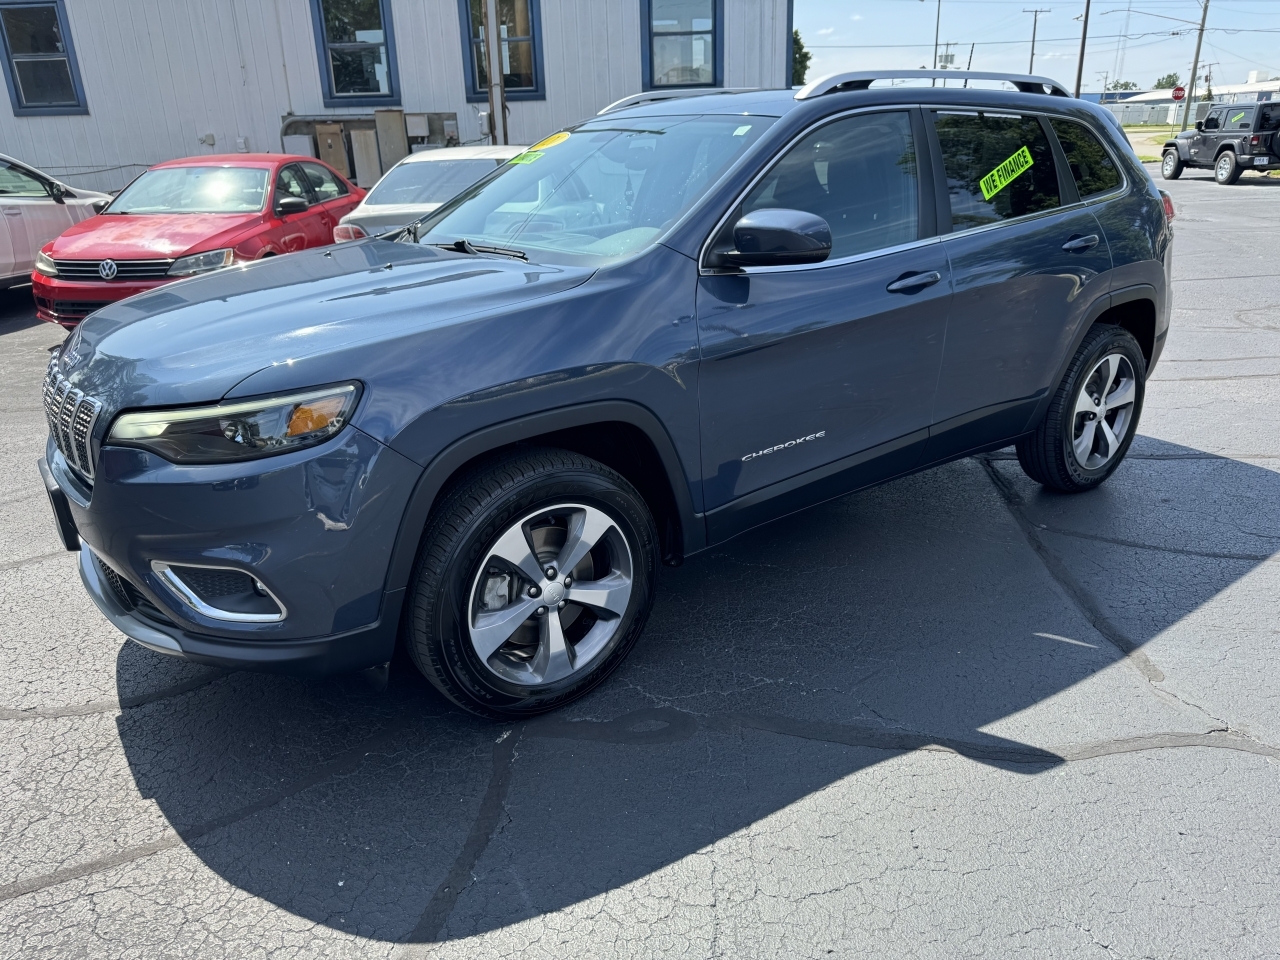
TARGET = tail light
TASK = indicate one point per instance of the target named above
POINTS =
(1255, 139)
(347, 231)
(1168, 207)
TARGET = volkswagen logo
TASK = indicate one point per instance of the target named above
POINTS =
(107, 269)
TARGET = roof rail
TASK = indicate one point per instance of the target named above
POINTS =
(656, 96)
(862, 79)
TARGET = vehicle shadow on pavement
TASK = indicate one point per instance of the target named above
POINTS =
(916, 616)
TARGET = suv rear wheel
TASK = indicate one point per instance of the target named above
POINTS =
(535, 578)
(1093, 416)
(1171, 165)
(1226, 171)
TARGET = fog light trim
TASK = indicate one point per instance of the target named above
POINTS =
(170, 578)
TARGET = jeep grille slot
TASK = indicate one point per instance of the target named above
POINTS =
(71, 416)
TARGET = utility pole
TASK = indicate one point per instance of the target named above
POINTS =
(970, 66)
(1035, 21)
(1195, 65)
(937, 31)
(1084, 33)
(493, 57)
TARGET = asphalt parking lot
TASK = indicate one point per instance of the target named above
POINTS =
(952, 716)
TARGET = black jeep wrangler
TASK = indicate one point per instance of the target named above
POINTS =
(1231, 139)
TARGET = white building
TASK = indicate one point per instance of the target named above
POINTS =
(101, 89)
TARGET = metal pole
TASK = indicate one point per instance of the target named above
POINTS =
(1195, 65)
(1084, 33)
(497, 90)
(970, 66)
(937, 29)
(1035, 21)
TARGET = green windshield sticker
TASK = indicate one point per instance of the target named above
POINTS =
(1006, 173)
(527, 157)
(1238, 117)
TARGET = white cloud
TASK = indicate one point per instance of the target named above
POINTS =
(826, 30)
(856, 16)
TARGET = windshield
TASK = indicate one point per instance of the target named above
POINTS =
(195, 190)
(428, 181)
(600, 192)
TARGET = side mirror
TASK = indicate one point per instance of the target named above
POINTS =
(1199, 124)
(99, 205)
(290, 205)
(57, 191)
(778, 238)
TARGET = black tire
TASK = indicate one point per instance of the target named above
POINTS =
(1048, 455)
(1226, 169)
(1171, 165)
(495, 498)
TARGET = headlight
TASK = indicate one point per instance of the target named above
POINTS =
(244, 430)
(202, 263)
(45, 265)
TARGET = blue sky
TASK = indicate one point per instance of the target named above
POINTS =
(870, 34)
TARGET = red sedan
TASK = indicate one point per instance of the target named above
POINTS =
(186, 217)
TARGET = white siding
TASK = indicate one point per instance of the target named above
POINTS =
(159, 74)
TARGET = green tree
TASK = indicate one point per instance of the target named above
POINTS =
(800, 58)
(1167, 82)
(1122, 85)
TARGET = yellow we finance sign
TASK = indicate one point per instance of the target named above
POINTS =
(1006, 173)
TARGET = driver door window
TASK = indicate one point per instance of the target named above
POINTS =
(291, 183)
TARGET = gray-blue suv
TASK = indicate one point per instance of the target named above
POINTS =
(683, 318)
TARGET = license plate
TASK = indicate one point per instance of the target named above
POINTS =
(1261, 161)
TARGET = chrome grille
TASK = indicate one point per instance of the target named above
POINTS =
(125, 270)
(71, 418)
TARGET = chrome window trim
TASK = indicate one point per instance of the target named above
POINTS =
(184, 593)
(705, 271)
(842, 261)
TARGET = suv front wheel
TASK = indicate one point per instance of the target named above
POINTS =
(1227, 170)
(1092, 418)
(535, 578)
(1171, 165)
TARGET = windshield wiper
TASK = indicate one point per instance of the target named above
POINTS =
(466, 246)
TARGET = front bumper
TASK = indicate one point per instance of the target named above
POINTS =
(338, 653)
(316, 527)
(67, 302)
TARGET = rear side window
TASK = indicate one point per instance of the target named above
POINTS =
(997, 166)
(1090, 164)
(1240, 118)
(857, 174)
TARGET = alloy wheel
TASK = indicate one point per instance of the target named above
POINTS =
(1167, 166)
(1103, 411)
(550, 594)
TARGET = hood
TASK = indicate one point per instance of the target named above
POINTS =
(387, 216)
(150, 237)
(192, 341)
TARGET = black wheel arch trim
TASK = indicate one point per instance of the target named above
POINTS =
(1138, 291)
(692, 531)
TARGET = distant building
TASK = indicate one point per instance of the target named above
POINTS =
(101, 89)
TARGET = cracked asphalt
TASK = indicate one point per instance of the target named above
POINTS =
(954, 716)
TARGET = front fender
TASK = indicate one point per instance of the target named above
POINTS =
(1182, 148)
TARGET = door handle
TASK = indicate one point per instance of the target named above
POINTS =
(1080, 244)
(916, 281)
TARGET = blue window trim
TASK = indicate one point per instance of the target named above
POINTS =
(81, 106)
(475, 95)
(332, 99)
(646, 49)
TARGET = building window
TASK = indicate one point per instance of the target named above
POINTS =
(683, 43)
(519, 26)
(39, 62)
(357, 52)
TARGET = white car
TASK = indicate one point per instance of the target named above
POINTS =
(417, 185)
(34, 209)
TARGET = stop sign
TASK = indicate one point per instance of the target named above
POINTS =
(1179, 94)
